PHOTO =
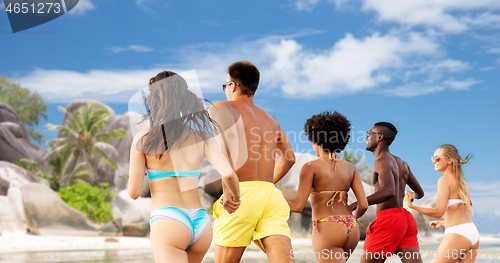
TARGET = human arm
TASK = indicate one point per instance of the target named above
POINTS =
(229, 178)
(386, 183)
(305, 184)
(412, 182)
(359, 192)
(436, 223)
(137, 166)
(286, 157)
(443, 194)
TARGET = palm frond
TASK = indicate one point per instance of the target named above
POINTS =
(111, 135)
(106, 159)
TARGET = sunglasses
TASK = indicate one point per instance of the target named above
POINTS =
(372, 132)
(227, 84)
(435, 158)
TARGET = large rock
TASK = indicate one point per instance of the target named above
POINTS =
(11, 148)
(9, 115)
(134, 214)
(47, 214)
(15, 129)
(14, 141)
(12, 178)
(12, 175)
(12, 211)
(122, 159)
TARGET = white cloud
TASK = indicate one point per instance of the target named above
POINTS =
(487, 68)
(102, 85)
(461, 85)
(350, 65)
(134, 48)
(494, 50)
(485, 187)
(82, 7)
(150, 6)
(417, 89)
(447, 15)
(310, 4)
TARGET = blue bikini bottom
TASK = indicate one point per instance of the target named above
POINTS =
(195, 220)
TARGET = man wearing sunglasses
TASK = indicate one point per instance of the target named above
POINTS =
(394, 231)
(263, 214)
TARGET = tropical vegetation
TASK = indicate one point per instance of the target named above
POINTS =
(364, 169)
(94, 202)
(84, 142)
(28, 105)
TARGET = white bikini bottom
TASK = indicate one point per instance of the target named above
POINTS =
(467, 230)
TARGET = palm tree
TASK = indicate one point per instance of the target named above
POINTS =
(357, 161)
(85, 141)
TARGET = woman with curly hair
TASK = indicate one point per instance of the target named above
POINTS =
(171, 154)
(461, 238)
(327, 181)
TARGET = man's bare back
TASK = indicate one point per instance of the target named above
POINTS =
(263, 137)
(254, 138)
(390, 177)
(400, 172)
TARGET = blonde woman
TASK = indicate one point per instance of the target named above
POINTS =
(461, 238)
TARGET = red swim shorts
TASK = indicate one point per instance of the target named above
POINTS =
(393, 229)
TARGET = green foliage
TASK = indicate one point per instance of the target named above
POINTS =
(85, 142)
(38, 171)
(28, 105)
(363, 169)
(95, 202)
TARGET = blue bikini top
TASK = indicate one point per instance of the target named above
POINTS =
(154, 174)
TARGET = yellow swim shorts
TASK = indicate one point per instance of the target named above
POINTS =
(263, 212)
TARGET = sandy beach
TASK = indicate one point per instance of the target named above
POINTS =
(21, 247)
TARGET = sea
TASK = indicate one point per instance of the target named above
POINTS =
(489, 252)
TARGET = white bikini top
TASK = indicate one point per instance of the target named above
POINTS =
(455, 201)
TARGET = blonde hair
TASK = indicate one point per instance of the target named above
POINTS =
(451, 152)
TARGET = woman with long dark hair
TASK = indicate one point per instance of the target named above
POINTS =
(327, 181)
(461, 238)
(171, 154)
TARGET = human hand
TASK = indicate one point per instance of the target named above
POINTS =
(409, 197)
(229, 203)
(353, 206)
(436, 224)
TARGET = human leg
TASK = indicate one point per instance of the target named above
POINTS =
(471, 254)
(328, 247)
(452, 248)
(369, 257)
(197, 251)
(228, 254)
(278, 248)
(408, 249)
(233, 232)
(352, 241)
(384, 235)
(169, 239)
(410, 255)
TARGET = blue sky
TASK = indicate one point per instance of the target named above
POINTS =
(430, 67)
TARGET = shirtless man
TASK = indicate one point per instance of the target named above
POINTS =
(394, 231)
(263, 213)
